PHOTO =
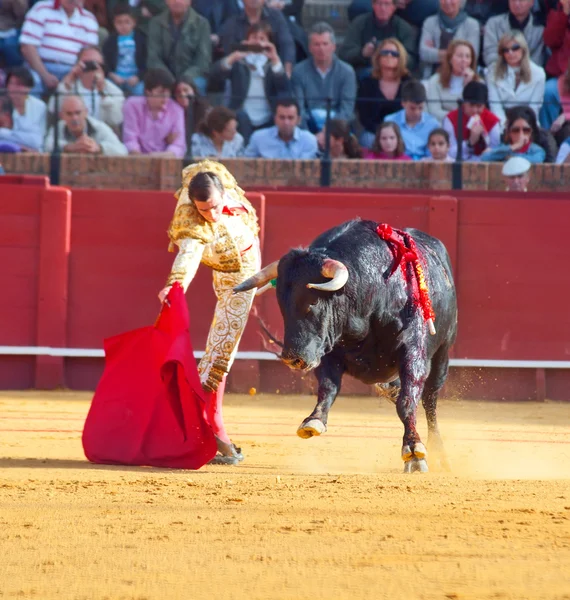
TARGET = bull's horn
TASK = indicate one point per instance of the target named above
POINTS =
(259, 279)
(336, 270)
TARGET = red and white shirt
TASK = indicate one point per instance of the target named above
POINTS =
(59, 38)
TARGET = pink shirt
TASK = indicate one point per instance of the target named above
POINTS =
(383, 156)
(142, 133)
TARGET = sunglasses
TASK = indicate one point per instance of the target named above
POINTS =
(525, 130)
(393, 53)
(513, 48)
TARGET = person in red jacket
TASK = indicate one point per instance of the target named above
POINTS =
(557, 39)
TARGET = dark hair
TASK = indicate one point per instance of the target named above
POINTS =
(123, 8)
(260, 27)
(158, 78)
(522, 112)
(413, 91)
(340, 129)
(198, 106)
(201, 186)
(216, 120)
(287, 103)
(439, 131)
(5, 105)
(476, 92)
(23, 74)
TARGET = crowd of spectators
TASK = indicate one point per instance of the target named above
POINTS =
(228, 78)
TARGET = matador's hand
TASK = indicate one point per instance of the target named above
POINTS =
(163, 293)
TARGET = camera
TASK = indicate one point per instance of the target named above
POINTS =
(255, 48)
(90, 65)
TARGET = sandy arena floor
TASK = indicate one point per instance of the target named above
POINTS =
(331, 517)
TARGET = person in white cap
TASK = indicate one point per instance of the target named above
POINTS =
(516, 172)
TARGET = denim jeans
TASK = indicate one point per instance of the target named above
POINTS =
(551, 107)
(10, 50)
(58, 69)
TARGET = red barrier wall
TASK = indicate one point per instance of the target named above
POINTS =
(79, 269)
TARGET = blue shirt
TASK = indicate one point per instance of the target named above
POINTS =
(415, 137)
(126, 61)
(266, 143)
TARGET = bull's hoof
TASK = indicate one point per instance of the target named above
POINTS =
(224, 460)
(311, 428)
(416, 451)
(414, 465)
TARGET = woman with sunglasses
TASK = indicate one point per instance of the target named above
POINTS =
(515, 79)
(379, 94)
(451, 22)
(445, 87)
(521, 135)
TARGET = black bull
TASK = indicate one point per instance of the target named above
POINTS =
(344, 312)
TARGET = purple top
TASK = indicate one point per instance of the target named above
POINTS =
(144, 134)
(383, 156)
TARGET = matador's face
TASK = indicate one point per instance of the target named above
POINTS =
(212, 208)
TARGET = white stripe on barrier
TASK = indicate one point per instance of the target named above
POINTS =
(454, 362)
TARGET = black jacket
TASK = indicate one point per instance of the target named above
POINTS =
(111, 53)
(276, 84)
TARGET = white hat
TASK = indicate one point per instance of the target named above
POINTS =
(516, 165)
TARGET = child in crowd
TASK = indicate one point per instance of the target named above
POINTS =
(388, 143)
(125, 52)
(438, 146)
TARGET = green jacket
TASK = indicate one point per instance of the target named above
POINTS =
(191, 56)
(365, 27)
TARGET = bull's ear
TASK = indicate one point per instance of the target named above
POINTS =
(259, 279)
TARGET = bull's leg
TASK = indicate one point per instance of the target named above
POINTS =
(329, 376)
(434, 383)
(413, 372)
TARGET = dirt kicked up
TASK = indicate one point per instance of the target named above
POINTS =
(331, 517)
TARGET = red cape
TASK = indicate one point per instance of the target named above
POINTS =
(149, 406)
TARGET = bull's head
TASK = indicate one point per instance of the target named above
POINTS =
(312, 322)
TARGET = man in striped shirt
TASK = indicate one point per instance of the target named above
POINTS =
(53, 33)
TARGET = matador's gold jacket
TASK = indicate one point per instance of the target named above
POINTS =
(231, 248)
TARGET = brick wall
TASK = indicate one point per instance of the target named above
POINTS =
(148, 173)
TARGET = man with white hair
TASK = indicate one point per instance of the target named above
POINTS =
(516, 172)
(80, 134)
(323, 76)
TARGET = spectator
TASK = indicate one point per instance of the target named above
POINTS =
(521, 134)
(154, 123)
(557, 99)
(216, 12)
(557, 39)
(451, 22)
(256, 79)
(195, 106)
(516, 173)
(81, 134)
(6, 124)
(388, 144)
(179, 42)
(438, 146)
(125, 52)
(285, 140)
(54, 32)
(481, 128)
(414, 122)
(514, 78)
(292, 10)
(343, 143)
(103, 99)
(483, 10)
(234, 30)
(28, 113)
(217, 135)
(456, 71)
(563, 153)
(518, 18)
(144, 10)
(379, 95)
(414, 12)
(12, 14)
(323, 76)
(367, 30)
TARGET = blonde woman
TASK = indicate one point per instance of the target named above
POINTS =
(514, 79)
(379, 94)
(445, 87)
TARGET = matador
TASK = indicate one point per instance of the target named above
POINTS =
(216, 225)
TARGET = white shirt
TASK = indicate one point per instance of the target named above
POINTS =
(28, 129)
